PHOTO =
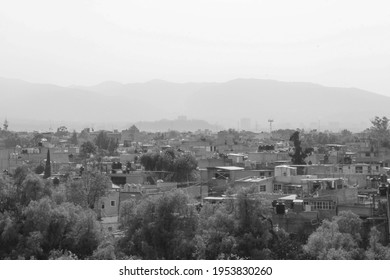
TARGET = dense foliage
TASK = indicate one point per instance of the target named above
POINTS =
(181, 166)
(42, 221)
(38, 222)
(298, 154)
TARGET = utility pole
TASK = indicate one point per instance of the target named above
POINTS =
(388, 210)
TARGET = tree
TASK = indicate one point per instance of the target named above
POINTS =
(5, 125)
(350, 223)
(36, 139)
(89, 189)
(65, 227)
(380, 132)
(284, 247)
(39, 169)
(8, 196)
(102, 141)
(87, 149)
(127, 212)
(32, 189)
(183, 167)
(253, 225)
(47, 166)
(160, 228)
(84, 134)
(73, 139)
(112, 146)
(148, 161)
(237, 228)
(36, 225)
(376, 251)
(180, 165)
(336, 239)
(298, 156)
(12, 140)
(105, 251)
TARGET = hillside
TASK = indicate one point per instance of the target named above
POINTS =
(112, 104)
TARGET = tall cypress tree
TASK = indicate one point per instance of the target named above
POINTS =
(47, 166)
(299, 155)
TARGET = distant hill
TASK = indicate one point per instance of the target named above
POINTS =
(178, 125)
(115, 105)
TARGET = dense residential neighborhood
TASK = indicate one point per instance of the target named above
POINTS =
(232, 194)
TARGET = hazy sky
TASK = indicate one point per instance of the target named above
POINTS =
(85, 42)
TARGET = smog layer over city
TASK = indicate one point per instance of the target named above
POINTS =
(194, 130)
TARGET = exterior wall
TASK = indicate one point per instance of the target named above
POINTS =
(321, 169)
(252, 173)
(268, 183)
(357, 169)
(350, 179)
(345, 171)
(212, 162)
(109, 210)
(360, 210)
(123, 196)
(285, 171)
(196, 192)
(236, 158)
(242, 149)
(343, 196)
(268, 157)
(202, 152)
(295, 180)
(218, 187)
(204, 175)
(127, 157)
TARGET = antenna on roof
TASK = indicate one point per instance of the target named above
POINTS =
(270, 125)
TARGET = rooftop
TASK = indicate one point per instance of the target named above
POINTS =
(252, 179)
(322, 179)
(227, 168)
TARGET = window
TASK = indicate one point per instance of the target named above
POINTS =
(102, 205)
(292, 189)
(322, 205)
(113, 203)
(326, 205)
(359, 169)
(222, 175)
(262, 188)
(277, 187)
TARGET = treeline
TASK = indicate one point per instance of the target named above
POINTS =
(41, 221)
(171, 227)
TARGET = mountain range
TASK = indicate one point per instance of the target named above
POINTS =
(233, 104)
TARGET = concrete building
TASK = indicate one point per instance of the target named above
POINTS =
(259, 184)
(268, 158)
